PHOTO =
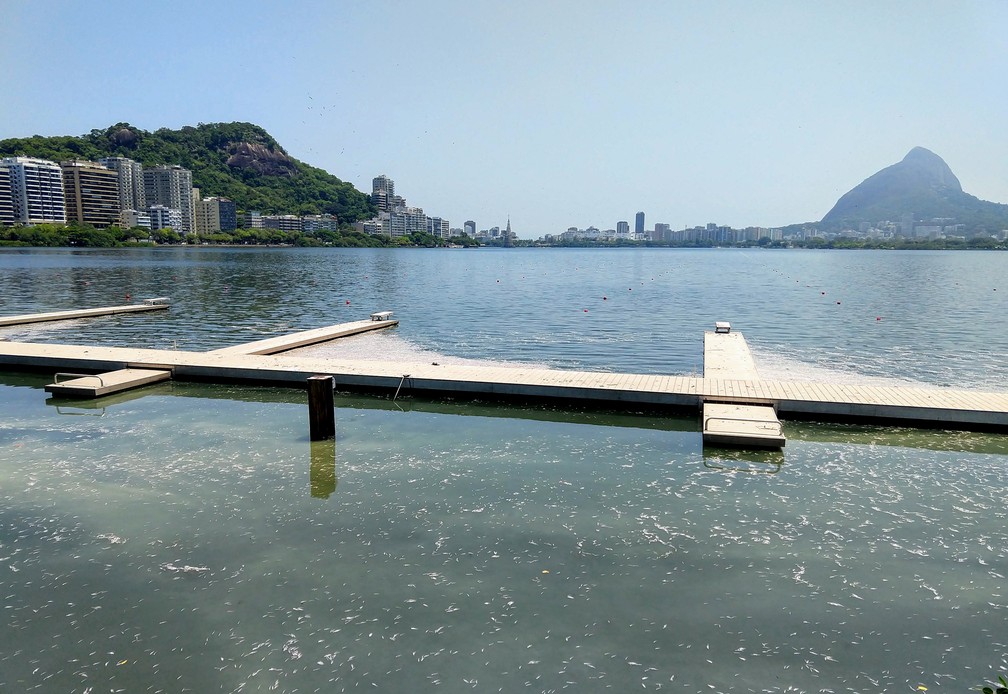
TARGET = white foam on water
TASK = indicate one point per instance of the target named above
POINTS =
(776, 366)
(385, 346)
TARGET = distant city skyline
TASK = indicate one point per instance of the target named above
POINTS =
(556, 114)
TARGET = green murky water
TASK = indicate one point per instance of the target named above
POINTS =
(193, 539)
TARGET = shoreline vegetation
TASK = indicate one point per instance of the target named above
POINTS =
(86, 236)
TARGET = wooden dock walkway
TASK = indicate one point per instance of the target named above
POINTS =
(945, 408)
(80, 313)
(744, 416)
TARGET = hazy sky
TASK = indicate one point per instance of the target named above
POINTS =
(557, 113)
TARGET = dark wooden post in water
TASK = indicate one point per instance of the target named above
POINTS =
(321, 410)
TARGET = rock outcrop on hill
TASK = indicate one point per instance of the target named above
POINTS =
(240, 161)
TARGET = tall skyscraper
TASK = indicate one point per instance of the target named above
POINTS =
(171, 186)
(469, 228)
(91, 193)
(131, 182)
(37, 190)
(639, 225)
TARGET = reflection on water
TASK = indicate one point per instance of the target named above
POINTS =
(766, 462)
(180, 542)
(323, 468)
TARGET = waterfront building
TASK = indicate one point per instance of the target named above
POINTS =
(314, 223)
(403, 221)
(375, 227)
(131, 182)
(662, 232)
(91, 193)
(6, 198)
(214, 214)
(36, 190)
(438, 228)
(134, 218)
(383, 193)
(469, 228)
(164, 217)
(282, 222)
(623, 229)
(254, 220)
(171, 187)
(639, 224)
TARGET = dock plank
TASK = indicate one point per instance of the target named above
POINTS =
(26, 319)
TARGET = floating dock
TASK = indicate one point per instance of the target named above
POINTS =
(752, 422)
(285, 343)
(928, 407)
(97, 385)
(155, 305)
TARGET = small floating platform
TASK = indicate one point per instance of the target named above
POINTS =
(93, 386)
(750, 426)
(158, 304)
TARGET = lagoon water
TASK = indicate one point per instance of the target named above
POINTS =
(189, 537)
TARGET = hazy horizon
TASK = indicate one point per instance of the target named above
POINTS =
(557, 114)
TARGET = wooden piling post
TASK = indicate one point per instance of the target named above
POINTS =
(321, 409)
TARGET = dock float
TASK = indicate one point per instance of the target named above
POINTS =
(285, 343)
(944, 408)
(97, 385)
(747, 421)
(158, 304)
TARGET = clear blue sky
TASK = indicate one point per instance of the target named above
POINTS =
(559, 113)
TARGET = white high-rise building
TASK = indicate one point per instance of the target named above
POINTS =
(162, 217)
(438, 228)
(36, 190)
(131, 182)
(383, 193)
(171, 186)
(6, 198)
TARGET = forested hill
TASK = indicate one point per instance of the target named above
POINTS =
(240, 161)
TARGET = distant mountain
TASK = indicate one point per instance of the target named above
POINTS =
(922, 185)
(240, 161)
